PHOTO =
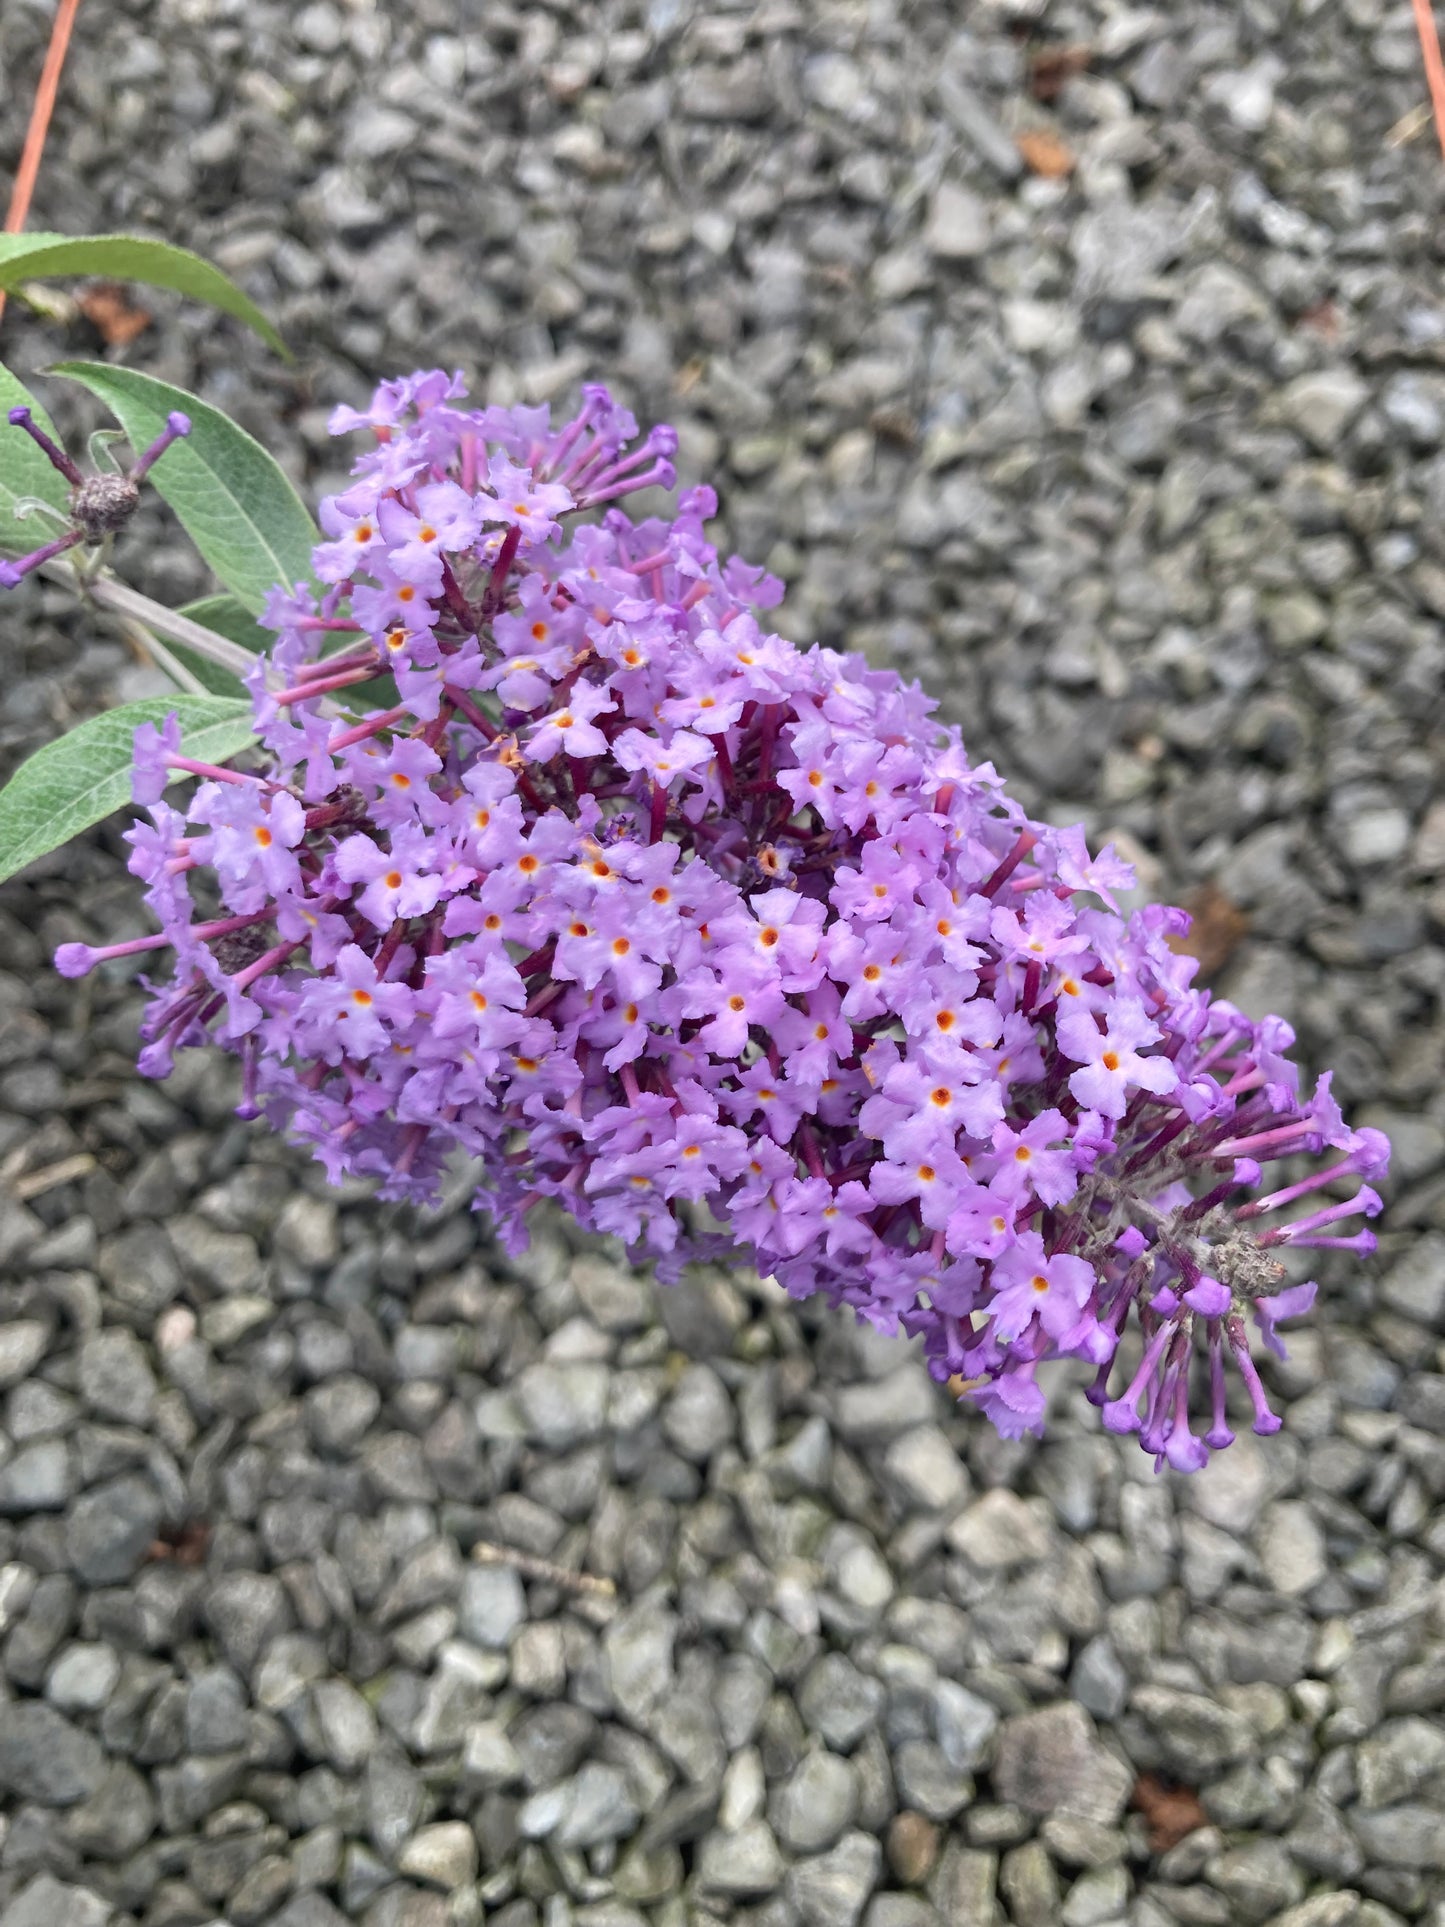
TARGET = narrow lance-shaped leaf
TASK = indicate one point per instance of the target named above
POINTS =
(228, 618)
(231, 497)
(83, 776)
(24, 470)
(128, 257)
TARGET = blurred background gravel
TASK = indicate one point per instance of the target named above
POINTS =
(1086, 360)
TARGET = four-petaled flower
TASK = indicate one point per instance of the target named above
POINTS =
(1029, 1284)
(1112, 1063)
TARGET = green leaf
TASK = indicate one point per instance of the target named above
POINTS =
(126, 257)
(228, 618)
(231, 497)
(380, 693)
(231, 619)
(82, 777)
(24, 470)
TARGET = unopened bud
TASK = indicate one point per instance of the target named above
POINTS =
(103, 504)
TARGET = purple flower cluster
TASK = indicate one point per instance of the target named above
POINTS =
(723, 944)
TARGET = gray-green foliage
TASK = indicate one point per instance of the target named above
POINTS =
(129, 257)
(229, 495)
(80, 778)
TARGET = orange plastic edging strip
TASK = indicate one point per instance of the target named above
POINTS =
(40, 120)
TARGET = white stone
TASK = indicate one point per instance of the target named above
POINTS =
(82, 1678)
(744, 1790)
(348, 1725)
(445, 1855)
(1376, 836)
(925, 1470)
(999, 1530)
(1322, 405)
(493, 1605)
(957, 228)
(1291, 1547)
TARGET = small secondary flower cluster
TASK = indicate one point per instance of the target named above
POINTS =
(724, 945)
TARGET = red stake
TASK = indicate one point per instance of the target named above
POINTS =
(39, 121)
(1434, 66)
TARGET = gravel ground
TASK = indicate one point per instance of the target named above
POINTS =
(1142, 468)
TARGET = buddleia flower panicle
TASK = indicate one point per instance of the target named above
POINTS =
(723, 944)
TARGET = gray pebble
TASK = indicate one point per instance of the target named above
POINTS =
(444, 1855)
(117, 1819)
(816, 1803)
(1098, 1681)
(226, 1261)
(702, 1314)
(245, 1610)
(928, 1782)
(562, 1405)
(923, 1469)
(889, 1405)
(550, 1741)
(599, 1807)
(1099, 1895)
(111, 1528)
(742, 1864)
(699, 1417)
(1257, 1879)
(900, 1910)
(1394, 1763)
(340, 1412)
(833, 1887)
(44, 1757)
(345, 1721)
(116, 1380)
(957, 228)
(46, 1901)
(1192, 1733)
(639, 1646)
(1051, 1761)
(838, 1702)
(492, 1605)
(309, 1910)
(83, 1677)
(23, 1343)
(40, 1478)
(489, 1758)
